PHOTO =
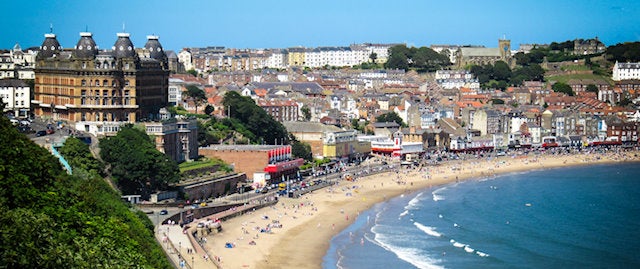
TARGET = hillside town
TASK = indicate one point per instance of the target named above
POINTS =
(323, 96)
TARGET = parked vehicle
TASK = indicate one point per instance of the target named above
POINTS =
(41, 133)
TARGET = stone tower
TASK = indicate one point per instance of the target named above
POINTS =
(505, 49)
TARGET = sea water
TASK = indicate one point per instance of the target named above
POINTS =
(573, 217)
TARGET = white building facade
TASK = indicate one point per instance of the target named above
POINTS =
(626, 71)
(16, 95)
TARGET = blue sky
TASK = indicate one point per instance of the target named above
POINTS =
(288, 23)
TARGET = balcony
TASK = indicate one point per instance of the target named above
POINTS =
(106, 106)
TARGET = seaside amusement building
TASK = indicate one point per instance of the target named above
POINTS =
(99, 90)
(395, 148)
(275, 162)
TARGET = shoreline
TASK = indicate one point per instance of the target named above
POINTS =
(298, 231)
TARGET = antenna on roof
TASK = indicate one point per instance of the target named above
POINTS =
(123, 28)
(51, 28)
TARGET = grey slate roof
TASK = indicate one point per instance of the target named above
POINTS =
(309, 127)
(13, 82)
(483, 52)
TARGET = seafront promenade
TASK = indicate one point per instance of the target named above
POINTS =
(306, 224)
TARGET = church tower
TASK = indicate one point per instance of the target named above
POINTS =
(505, 49)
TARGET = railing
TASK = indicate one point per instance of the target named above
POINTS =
(62, 160)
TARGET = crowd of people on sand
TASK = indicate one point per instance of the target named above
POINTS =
(262, 223)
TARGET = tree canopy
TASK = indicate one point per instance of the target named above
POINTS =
(501, 76)
(390, 117)
(196, 94)
(135, 164)
(300, 149)
(562, 87)
(624, 52)
(79, 157)
(421, 59)
(255, 119)
(53, 220)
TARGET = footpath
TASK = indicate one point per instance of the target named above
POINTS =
(183, 249)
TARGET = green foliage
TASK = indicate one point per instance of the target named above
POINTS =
(79, 156)
(300, 149)
(25, 168)
(193, 72)
(390, 117)
(136, 165)
(204, 162)
(624, 52)
(625, 102)
(500, 76)
(52, 220)
(562, 87)
(196, 94)
(209, 109)
(497, 101)
(421, 59)
(306, 113)
(368, 65)
(254, 119)
(592, 88)
(563, 46)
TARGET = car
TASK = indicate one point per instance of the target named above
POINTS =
(41, 133)
(164, 212)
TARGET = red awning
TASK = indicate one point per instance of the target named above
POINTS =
(284, 166)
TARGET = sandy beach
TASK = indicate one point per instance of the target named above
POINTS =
(295, 233)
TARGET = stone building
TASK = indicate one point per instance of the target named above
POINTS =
(484, 56)
(99, 90)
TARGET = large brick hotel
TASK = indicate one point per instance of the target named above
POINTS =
(100, 89)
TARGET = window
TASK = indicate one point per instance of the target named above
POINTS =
(97, 82)
(126, 82)
(84, 83)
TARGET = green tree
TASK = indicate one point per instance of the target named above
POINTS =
(196, 95)
(398, 58)
(300, 149)
(136, 165)
(79, 157)
(624, 52)
(192, 72)
(563, 88)
(53, 220)
(390, 117)
(373, 57)
(501, 71)
(306, 113)
(592, 88)
(422, 59)
(255, 119)
(208, 109)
